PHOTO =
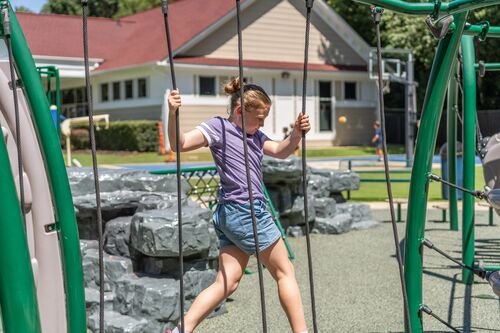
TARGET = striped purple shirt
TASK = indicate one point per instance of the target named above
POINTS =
(225, 140)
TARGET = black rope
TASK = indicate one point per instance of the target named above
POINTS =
(309, 5)
(94, 165)
(377, 13)
(7, 33)
(478, 271)
(477, 194)
(178, 164)
(425, 309)
(247, 169)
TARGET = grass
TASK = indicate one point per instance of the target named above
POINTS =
(203, 155)
(114, 157)
(369, 191)
(378, 191)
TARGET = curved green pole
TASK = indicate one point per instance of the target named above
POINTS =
(426, 8)
(426, 142)
(17, 288)
(58, 180)
(489, 67)
(469, 138)
(477, 29)
(451, 118)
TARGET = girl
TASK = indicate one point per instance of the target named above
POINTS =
(232, 218)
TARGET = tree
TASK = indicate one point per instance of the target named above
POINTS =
(68, 7)
(100, 8)
(22, 9)
(128, 7)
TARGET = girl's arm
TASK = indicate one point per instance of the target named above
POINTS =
(191, 140)
(284, 148)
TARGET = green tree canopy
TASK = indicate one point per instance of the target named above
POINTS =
(22, 9)
(100, 8)
(410, 32)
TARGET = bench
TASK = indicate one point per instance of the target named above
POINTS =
(399, 202)
(490, 212)
(443, 208)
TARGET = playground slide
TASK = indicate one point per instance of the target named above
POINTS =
(43, 244)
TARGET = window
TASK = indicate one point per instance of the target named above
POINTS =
(142, 88)
(129, 89)
(325, 106)
(350, 90)
(207, 85)
(104, 92)
(116, 91)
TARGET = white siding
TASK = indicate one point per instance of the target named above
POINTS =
(274, 31)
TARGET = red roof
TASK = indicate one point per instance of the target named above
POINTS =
(139, 38)
(131, 40)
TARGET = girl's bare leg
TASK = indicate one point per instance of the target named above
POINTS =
(275, 258)
(232, 263)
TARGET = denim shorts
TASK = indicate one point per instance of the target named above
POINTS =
(233, 225)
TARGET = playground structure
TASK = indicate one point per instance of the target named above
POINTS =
(448, 22)
(47, 271)
(67, 124)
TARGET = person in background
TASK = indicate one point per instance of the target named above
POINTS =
(378, 140)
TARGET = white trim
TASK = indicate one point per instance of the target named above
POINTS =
(71, 59)
(351, 104)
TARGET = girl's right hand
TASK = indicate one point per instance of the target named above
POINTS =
(174, 101)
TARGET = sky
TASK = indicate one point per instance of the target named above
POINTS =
(34, 5)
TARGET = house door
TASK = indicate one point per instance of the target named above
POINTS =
(325, 106)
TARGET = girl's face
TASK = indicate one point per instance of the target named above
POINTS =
(255, 119)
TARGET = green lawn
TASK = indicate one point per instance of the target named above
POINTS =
(369, 191)
(203, 155)
(377, 191)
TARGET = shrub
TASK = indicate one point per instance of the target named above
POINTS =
(80, 138)
(137, 135)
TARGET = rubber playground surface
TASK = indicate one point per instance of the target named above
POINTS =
(357, 286)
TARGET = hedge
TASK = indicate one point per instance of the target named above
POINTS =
(134, 135)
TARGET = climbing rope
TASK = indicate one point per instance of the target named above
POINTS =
(94, 166)
(377, 14)
(7, 33)
(178, 164)
(309, 5)
(427, 310)
(247, 169)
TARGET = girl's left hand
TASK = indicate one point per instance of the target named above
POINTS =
(302, 123)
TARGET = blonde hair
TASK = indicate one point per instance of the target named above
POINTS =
(254, 97)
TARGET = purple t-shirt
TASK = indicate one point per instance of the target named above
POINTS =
(225, 140)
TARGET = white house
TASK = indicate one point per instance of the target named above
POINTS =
(130, 71)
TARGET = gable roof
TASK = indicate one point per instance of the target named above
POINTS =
(132, 40)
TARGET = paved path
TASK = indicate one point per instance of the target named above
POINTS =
(357, 283)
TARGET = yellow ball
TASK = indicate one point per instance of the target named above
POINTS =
(342, 119)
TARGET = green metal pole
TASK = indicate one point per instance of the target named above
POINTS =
(469, 138)
(451, 149)
(275, 215)
(489, 67)
(426, 142)
(58, 179)
(18, 303)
